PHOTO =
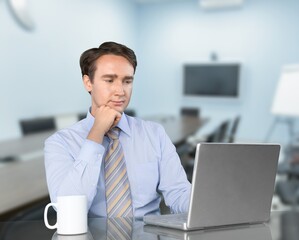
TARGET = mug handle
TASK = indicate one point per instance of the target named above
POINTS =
(46, 216)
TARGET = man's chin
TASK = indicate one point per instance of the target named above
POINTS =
(119, 109)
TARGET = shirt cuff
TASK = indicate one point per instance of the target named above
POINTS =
(91, 151)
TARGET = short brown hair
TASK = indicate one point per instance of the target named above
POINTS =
(90, 56)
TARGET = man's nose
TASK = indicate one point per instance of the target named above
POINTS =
(119, 88)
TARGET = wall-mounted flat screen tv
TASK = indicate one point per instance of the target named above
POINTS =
(212, 80)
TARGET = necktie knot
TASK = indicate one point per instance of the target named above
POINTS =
(113, 133)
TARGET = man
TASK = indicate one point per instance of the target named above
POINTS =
(77, 158)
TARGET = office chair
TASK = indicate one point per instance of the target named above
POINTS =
(288, 189)
(219, 134)
(186, 111)
(130, 112)
(187, 146)
(233, 130)
(289, 222)
(81, 116)
(35, 125)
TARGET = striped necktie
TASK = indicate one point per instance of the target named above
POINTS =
(118, 193)
(119, 228)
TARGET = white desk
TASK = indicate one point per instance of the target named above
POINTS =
(21, 183)
(282, 226)
(23, 146)
(179, 128)
(23, 179)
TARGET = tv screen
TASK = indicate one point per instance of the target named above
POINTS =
(212, 80)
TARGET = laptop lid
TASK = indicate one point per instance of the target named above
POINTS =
(232, 184)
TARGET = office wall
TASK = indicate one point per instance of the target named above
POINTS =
(263, 35)
(40, 72)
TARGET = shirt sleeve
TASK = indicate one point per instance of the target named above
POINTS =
(174, 184)
(72, 175)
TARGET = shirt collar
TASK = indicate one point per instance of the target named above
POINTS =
(122, 124)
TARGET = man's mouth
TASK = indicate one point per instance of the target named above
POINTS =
(117, 103)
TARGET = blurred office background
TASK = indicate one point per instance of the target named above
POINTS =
(41, 74)
(39, 59)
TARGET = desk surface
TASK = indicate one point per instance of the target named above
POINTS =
(25, 179)
(282, 226)
(179, 128)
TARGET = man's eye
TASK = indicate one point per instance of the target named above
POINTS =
(108, 80)
(128, 81)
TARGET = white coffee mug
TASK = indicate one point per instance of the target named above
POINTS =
(71, 215)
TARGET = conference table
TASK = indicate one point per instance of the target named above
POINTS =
(282, 226)
(22, 172)
(179, 128)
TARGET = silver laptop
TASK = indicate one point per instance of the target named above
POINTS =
(231, 184)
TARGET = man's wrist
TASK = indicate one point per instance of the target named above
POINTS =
(96, 136)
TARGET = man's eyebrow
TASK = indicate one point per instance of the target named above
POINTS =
(128, 78)
(109, 76)
(115, 76)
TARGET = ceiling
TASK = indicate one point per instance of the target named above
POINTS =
(151, 1)
(205, 4)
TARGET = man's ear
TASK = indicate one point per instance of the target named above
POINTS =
(87, 83)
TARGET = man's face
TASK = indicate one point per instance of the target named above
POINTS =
(112, 83)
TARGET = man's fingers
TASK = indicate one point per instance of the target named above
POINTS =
(116, 120)
(108, 116)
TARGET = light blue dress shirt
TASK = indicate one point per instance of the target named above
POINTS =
(74, 166)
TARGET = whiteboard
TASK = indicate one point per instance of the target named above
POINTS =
(286, 99)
